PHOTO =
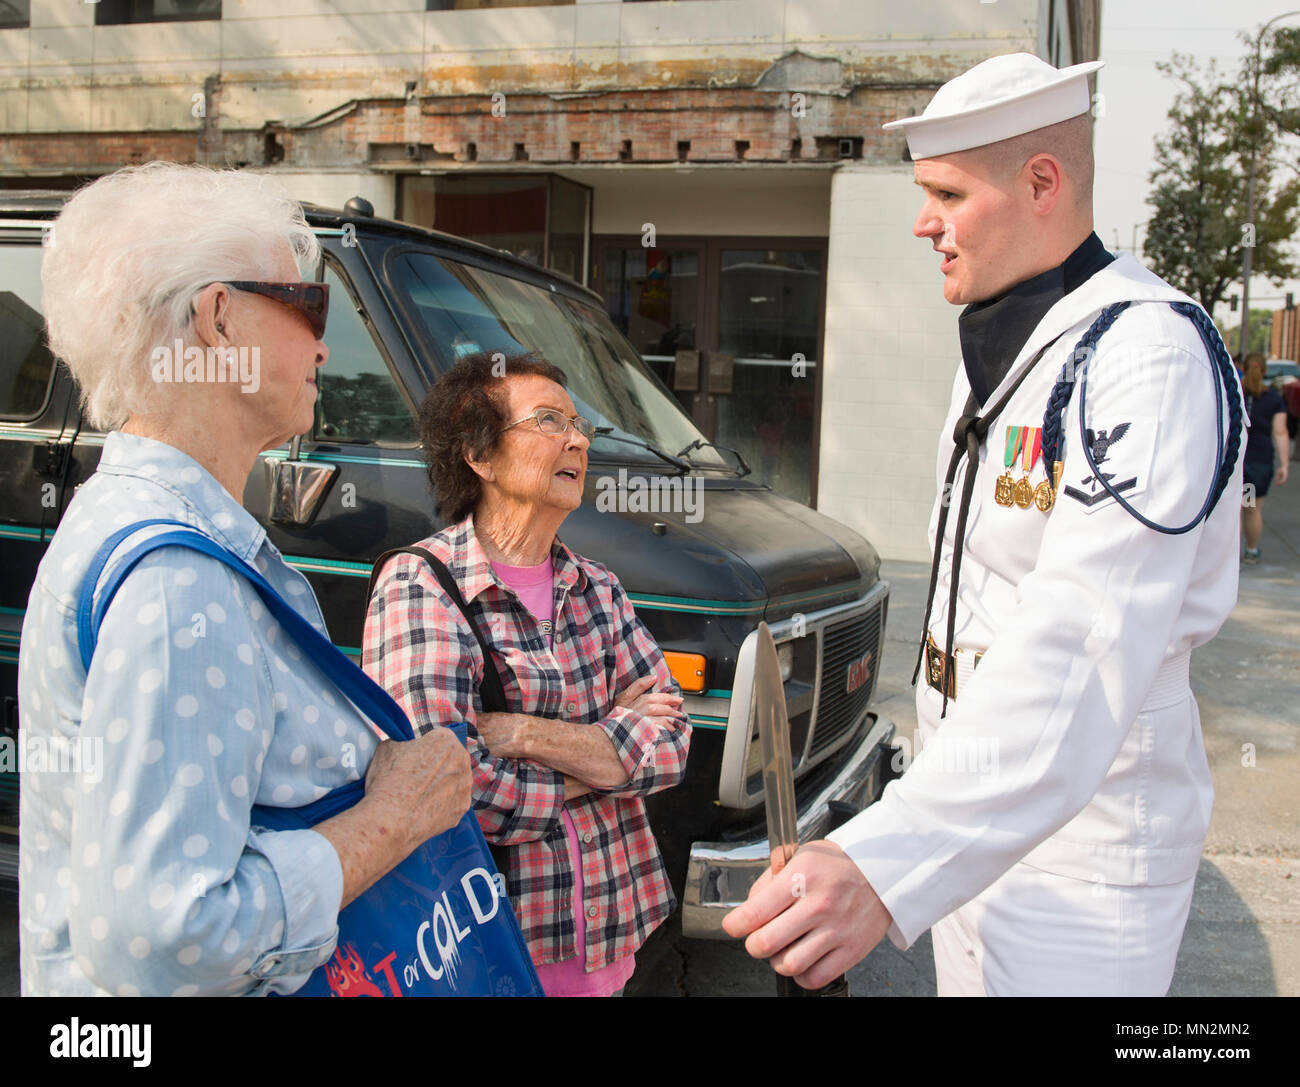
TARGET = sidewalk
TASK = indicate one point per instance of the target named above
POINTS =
(1243, 936)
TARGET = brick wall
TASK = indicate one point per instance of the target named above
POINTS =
(686, 125)
(1285, 340)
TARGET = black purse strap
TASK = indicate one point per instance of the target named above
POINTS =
(491, 692)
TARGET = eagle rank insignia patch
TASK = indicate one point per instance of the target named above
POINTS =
(1122, 452)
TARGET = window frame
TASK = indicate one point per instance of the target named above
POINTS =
(335, 264)
(25, 24)
(154, 19)
(6, 241)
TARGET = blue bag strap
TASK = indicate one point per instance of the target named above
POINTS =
(362, 691)
(85, 631)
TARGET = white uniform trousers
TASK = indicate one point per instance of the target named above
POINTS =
(1034, 933)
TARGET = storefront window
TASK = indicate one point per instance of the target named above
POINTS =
(767, 321)
(652, 297)
(117, 12)
(538, 217)
(750, 318)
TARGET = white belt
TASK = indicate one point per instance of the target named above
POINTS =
(1171, 685)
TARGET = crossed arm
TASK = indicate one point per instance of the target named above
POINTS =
(584, 754)
(413, 647)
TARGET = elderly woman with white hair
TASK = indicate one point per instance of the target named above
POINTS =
(146, 873)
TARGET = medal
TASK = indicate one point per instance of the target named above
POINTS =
(1045, 495)
(1003, 489)
(1031, 445)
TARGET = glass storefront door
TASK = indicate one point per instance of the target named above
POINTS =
(653, 297)
(751, 311)
(769, 312)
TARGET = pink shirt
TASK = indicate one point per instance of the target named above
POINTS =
(534, 585)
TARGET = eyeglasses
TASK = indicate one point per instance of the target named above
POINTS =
(550, 421)
(312, 300)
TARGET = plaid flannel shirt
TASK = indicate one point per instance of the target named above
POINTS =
(419, 647)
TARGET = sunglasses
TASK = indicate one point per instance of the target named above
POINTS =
(312, 300)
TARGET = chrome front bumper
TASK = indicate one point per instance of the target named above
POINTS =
(720, 874)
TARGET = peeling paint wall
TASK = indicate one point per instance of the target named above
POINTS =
(331, 77)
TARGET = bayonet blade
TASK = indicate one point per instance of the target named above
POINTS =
(774, 746)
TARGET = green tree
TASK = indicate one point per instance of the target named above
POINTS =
(1279, 83)
(1261, 332)
(1195, 238)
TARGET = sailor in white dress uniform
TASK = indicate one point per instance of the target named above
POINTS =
(1049, 831)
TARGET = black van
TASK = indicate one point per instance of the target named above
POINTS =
(704, 552)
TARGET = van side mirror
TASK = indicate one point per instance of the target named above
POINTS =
(296, 488)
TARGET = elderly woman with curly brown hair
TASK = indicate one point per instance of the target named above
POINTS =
(593, 719)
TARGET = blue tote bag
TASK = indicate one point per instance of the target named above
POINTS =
(439, 924)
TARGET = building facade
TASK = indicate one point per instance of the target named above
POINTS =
(1284, 337)
(714, 168)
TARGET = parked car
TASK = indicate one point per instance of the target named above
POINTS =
(1279, 372)
(405, 304)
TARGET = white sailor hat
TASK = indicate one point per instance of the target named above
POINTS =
(997, 99)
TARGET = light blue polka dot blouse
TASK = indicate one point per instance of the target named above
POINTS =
(139, 870)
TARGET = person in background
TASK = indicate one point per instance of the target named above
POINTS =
(1267, 413)
(596, 719)
(1291, 396)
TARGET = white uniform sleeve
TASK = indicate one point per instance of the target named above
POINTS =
(175, 892)
(1051, 702)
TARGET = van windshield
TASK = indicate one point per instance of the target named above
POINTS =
(465, 309)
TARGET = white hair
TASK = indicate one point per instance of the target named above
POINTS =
(131, 251)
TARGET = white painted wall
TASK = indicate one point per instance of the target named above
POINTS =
(891, 353)
(719, 200)
(333, 190)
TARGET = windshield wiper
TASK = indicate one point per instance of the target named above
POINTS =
(676, 462)
(700, 443)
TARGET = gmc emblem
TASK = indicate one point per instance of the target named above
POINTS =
(859, 672)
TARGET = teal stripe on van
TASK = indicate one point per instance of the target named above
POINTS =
(25, 532)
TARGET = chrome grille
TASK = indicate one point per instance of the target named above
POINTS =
(837, 709)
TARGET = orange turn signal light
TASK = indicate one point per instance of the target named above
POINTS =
(687, 669)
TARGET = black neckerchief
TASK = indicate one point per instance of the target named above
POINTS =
(1006, 324)
(993, 332)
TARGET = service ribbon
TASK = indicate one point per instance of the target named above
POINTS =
(1015, 435)
(1033, 446)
